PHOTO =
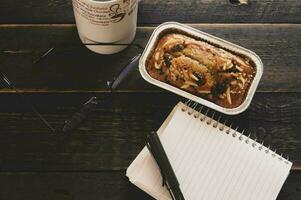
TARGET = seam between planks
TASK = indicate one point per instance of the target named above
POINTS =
(151, 26)
(118, 170)
(34, 91)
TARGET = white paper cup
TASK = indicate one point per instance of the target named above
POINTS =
(111, 21)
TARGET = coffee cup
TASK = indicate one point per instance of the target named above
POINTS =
(106, 21)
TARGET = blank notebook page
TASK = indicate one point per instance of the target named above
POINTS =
(210, 163)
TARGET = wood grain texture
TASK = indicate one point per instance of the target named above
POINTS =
(90, 186)
(70, 186)
(115, 134)
(90, 163)
(71, 67)
(157, 11)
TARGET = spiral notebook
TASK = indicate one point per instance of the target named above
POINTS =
(211, 161)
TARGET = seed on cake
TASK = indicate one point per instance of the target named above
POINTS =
(204, 91)
(229, 95)
(239, 68)
(242, 79)
(185, 86)
(186, 76)
(193, 77)
(191, 83)
(157, 66)
(234, 82)
(157, 56)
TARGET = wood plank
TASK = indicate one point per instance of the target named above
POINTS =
(71, 67)
(157, 11)
(115, 134)
(90, 186)
(70, 186)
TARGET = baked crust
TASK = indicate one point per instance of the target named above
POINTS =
(202, 69)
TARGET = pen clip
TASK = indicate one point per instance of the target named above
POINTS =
(164, 182)
(156, 159)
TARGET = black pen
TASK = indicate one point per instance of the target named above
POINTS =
(169, 177)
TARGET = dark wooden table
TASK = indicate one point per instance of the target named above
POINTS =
(91, 163)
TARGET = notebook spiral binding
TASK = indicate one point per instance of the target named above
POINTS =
(191, 109)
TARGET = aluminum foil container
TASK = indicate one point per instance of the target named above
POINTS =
(177, 27)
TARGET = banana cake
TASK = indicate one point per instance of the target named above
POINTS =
(202, 69)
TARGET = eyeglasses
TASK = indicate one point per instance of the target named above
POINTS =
(88, 107)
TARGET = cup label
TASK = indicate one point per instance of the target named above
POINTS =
(105, 14)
